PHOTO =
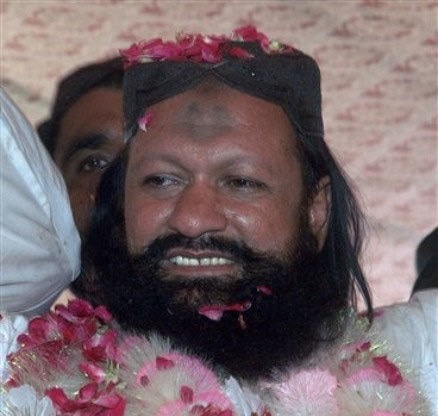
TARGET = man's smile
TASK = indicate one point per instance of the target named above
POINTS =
(201, 261)
(199, 264)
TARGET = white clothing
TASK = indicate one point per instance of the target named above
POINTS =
(412, 328)
(39, 243)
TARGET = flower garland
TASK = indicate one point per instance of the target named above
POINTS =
(73, 362)
(200, 48)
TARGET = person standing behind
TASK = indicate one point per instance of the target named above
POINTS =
(84, 131)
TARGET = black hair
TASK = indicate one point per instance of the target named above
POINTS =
(346, 223)
(107, 73)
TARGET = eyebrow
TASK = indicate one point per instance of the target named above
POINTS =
(91, 141)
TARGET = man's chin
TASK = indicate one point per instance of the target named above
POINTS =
(192, 299)
(193, 293)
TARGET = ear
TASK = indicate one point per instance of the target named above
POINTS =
(319, 210)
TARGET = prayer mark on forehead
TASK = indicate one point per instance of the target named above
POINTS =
(203, 119)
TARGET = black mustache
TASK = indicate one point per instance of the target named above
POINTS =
(258, 268)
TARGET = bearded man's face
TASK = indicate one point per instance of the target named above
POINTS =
(221, 241)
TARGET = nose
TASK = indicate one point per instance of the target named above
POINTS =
(198, 211)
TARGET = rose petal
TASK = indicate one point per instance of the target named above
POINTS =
(213, 314)
(389, 369)
(145, 121)
(186, 394)
(163, 363)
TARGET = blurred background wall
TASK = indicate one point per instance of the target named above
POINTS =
(379, 71)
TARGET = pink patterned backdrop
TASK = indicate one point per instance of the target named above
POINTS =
(379, 71)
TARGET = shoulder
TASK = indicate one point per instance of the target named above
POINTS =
(40, 246)
(411, 329)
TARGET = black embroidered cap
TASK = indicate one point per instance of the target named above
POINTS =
(285, 76)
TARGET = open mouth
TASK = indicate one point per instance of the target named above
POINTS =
(199, 261)
(205, 264)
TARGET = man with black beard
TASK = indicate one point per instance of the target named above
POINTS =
(226, 225)
(233, 223)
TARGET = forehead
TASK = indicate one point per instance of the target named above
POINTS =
(99, 102)
(99, 110)
(214, 109)
(95, 121)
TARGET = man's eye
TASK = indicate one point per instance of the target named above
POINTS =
(93, 163)
(244, 184)
(160, 181)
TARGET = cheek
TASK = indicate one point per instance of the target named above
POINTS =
(82, 194)
(144, 221)
(268, 227)
(82, 202)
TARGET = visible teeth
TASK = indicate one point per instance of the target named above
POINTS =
(203, 261)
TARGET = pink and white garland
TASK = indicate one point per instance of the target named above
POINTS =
(73, 362)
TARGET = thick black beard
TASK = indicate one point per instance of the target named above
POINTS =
(277, 331)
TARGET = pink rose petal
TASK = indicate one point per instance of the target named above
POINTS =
(145, 121)
(186, 394)
(163, 363)
(389, 370)
(215, 312)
